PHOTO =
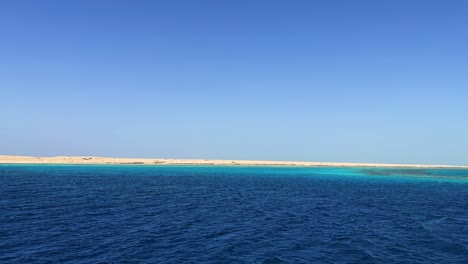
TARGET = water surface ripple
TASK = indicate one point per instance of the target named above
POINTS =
(196, 214)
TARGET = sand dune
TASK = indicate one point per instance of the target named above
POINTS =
(146, 161)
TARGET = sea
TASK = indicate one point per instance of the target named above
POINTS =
(232, 214)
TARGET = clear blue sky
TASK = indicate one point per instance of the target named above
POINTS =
(370, 81)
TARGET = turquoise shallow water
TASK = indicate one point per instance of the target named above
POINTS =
(197, 214)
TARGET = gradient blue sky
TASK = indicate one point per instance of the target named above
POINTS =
(360, 81)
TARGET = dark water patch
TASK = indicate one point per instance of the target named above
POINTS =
(459, 175)
(391, 172)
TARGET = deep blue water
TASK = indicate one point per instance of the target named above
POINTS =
(196, 214)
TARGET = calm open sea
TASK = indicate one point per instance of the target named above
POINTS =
(198, 214)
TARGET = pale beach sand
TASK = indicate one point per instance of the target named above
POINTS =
(147, 161)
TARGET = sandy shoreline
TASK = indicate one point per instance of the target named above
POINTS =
(146, 161)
